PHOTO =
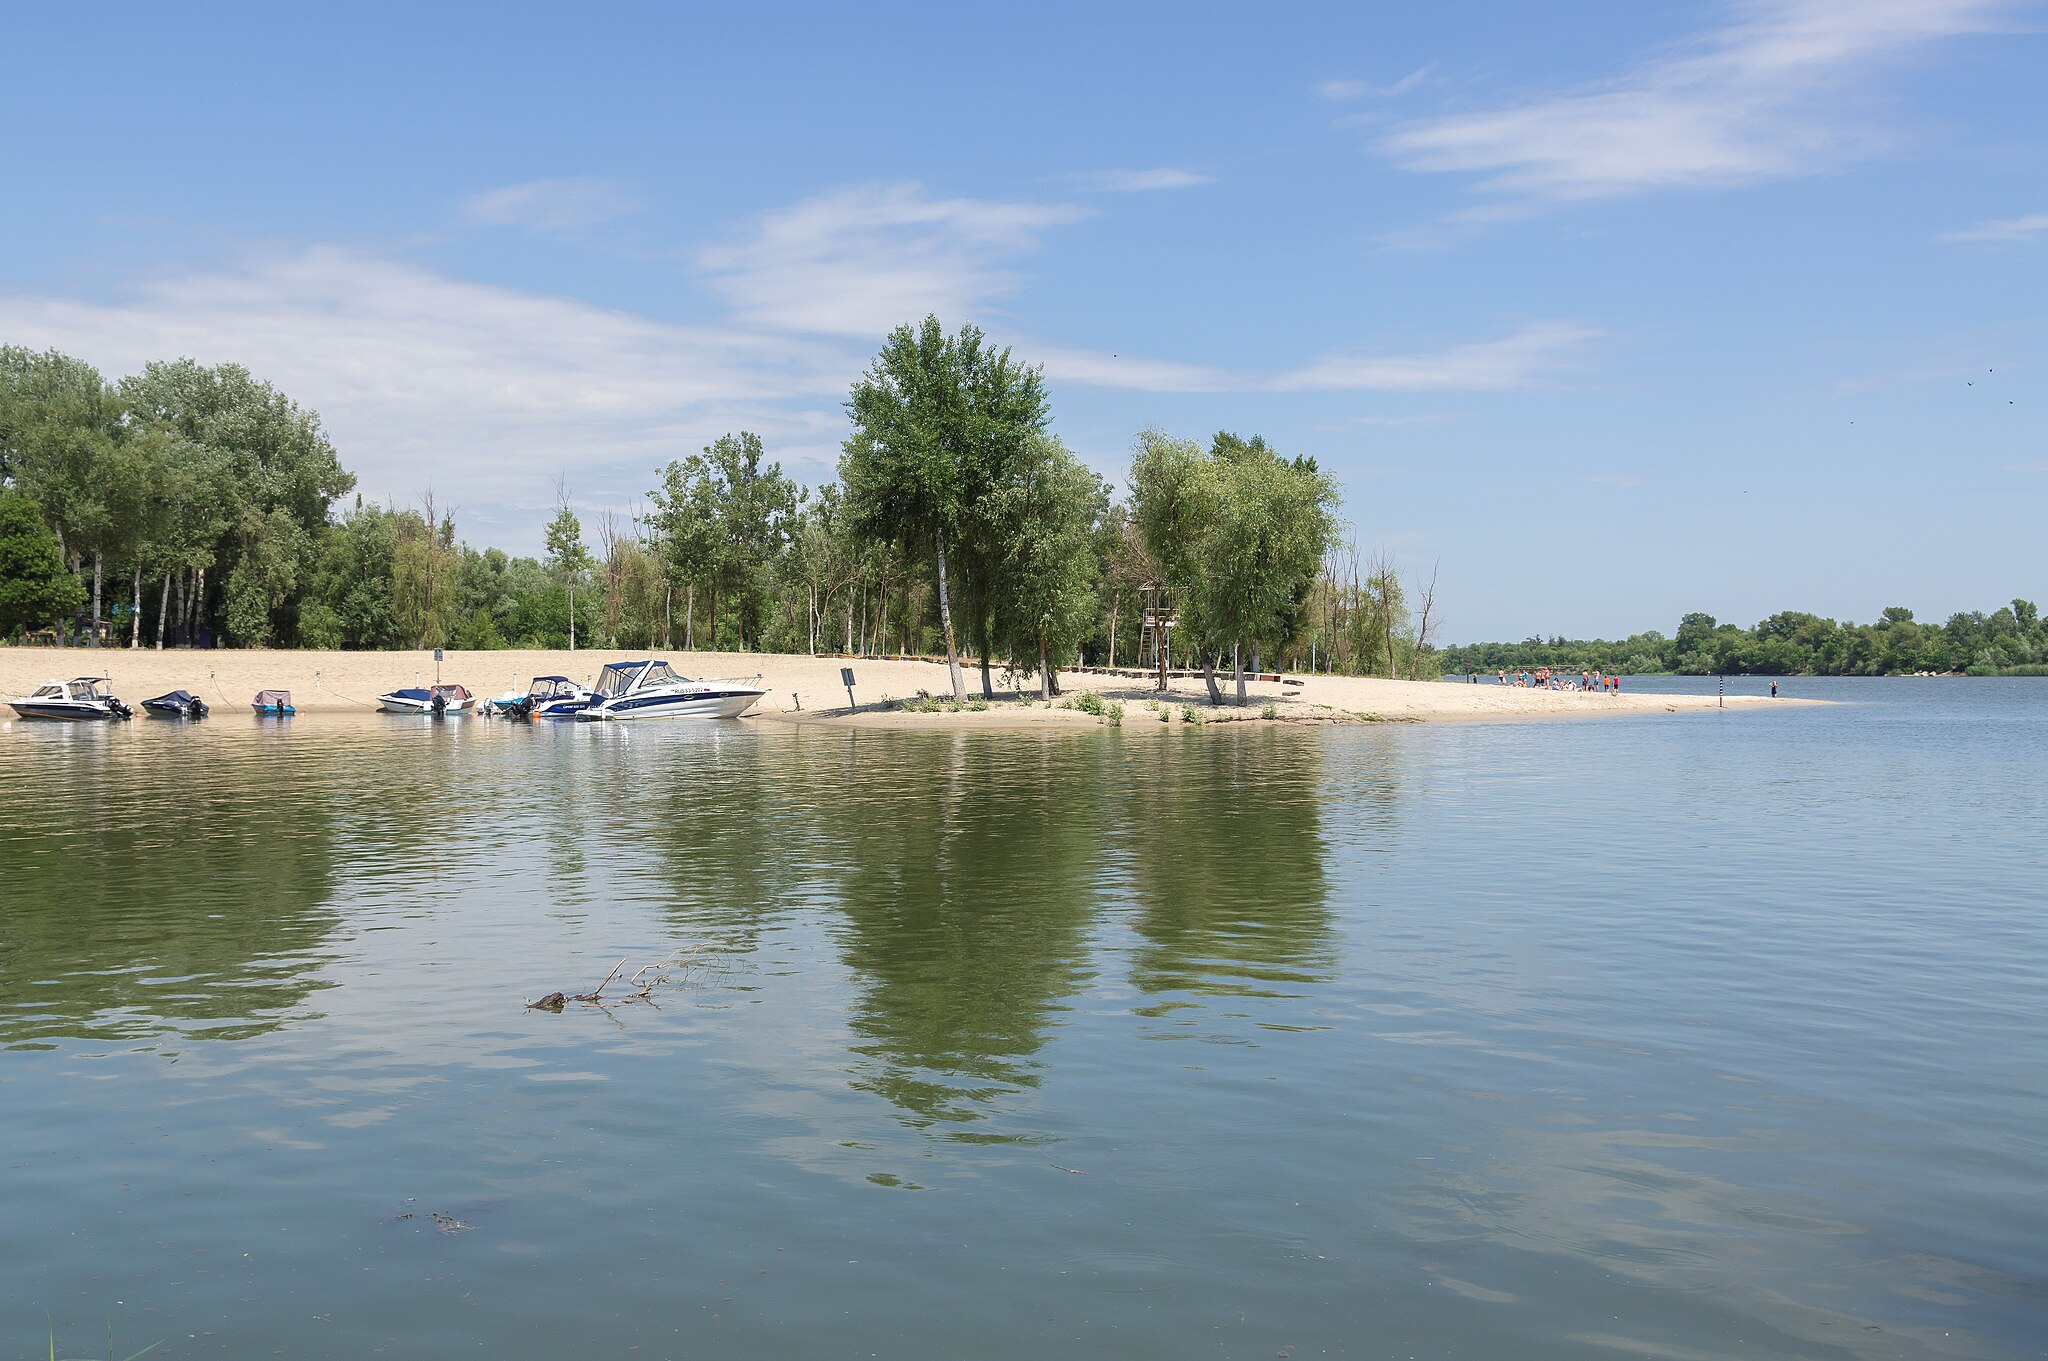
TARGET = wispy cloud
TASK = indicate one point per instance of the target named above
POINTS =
(1345, 91)
(1485, 366)
(861, 260)
(1139, 181)
(420, 376)
(551, 205)
(1516, 361)
(1766, 97)
(2007, 229)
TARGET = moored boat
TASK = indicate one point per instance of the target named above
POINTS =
(652, 689)
(82, 700)
(176, 704)
(434, 700)
(274, 703)
(551, 697)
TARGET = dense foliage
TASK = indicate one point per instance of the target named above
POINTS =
(2010, 639)
(959, 525)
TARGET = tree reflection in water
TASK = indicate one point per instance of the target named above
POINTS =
(965, 903)
(182, 897)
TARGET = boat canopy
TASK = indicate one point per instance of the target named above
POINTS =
(181, 697)
(617, 678)
(421, 695)
(448, 692)
(548, 687)
(266, 698)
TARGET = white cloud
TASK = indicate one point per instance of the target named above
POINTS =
(1514, 361)
(2008, 229)
(1138, 181)
(862, 260)
(486, 392)
(1766, 97)
(1344, 91)
(551, 205)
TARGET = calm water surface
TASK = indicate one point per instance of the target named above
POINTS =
(1689, 1036)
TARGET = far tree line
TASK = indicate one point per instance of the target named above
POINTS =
(198, 506)
(2010, 640)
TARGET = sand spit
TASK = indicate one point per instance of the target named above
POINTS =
(807, 689)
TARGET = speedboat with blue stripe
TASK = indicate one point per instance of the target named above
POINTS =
(652, 689)
(72, 701)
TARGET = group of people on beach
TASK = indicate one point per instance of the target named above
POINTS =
(1543, 678)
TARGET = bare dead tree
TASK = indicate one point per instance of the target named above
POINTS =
(1425, 627)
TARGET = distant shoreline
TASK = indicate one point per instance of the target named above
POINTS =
(805, 689)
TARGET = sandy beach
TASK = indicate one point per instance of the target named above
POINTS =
(804, 689)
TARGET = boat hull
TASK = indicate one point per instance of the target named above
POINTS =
(388, 705)
(726, 703)
(65, 713)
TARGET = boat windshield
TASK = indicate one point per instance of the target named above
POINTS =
(51, 691)
(86, 687)
(620, 677)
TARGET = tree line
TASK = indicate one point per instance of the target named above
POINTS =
(198, 506)
(2010, 640)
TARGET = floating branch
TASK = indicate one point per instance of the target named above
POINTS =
(642, 984)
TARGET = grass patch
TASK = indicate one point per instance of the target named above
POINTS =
(1271, 710)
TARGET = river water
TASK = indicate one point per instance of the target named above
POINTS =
(1714, 1035)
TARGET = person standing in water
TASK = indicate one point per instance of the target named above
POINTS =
(1774, 689)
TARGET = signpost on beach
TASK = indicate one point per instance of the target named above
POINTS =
(846, 679)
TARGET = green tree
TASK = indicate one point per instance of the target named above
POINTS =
(936, 418)
(1047, 508)
(1239, 534)
(567, 556)
(36, 588)
(723, 520)
(272, 466)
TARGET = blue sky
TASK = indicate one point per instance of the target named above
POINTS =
(1614, 310)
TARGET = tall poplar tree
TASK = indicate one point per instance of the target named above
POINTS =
(936, 420)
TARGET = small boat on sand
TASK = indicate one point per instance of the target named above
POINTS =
(72, 701)
(277, 703)
(434, 700)
(177, 704)
(652, 689)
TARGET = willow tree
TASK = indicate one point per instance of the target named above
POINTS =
(937, 420)
(1239, 535)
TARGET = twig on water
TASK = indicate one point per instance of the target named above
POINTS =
(642, 982)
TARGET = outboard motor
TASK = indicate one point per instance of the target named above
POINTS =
(198, 707)
(120, 710)
(440, 704)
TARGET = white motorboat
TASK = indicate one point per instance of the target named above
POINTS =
(652, 689)
(433, 700)
(72, 701)
(552, 697)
